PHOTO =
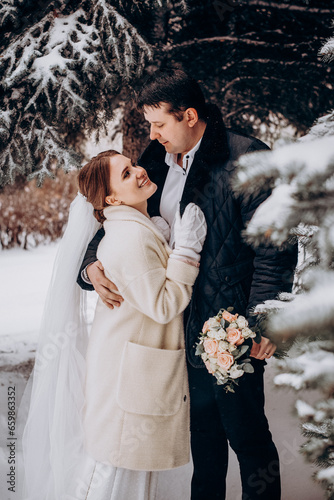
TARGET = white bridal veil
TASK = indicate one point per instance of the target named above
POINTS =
(55, 465)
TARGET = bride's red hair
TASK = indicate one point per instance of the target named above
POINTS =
(94, 181)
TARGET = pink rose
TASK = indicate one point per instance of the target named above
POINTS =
(229, 317)
(208, 366)
(206, 327)
(225, 360)
(210, 346)
(234, 336)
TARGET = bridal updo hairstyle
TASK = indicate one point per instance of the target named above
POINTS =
(94, 181)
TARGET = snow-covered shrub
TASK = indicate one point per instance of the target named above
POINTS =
(30, 215)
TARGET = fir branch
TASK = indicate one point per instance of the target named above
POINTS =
(122, 40)
(324, 126)
(298, 317)
(327, 51)
(63, 69)
(287, 6)
(309, 369)
(228, 39)
(297, 162)
(9, 13)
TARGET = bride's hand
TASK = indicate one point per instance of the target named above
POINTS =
(106, 289)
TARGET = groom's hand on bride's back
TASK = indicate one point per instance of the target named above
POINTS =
(106, 289)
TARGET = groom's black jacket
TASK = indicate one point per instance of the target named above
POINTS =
(231, 272)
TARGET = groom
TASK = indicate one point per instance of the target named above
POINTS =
(191, 159)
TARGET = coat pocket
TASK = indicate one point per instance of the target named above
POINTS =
(151, 381)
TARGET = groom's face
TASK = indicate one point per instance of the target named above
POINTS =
(174, 135)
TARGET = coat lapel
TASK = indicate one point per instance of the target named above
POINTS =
(213, 152)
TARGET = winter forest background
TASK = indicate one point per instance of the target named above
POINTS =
(68, 73)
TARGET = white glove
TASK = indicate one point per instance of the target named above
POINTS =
(162, 225)
(189, 233)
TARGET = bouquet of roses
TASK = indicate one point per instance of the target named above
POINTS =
(221, 346)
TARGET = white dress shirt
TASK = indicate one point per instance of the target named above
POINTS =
(174, 186)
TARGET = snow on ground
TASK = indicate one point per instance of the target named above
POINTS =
(24, 281)
(24, 278)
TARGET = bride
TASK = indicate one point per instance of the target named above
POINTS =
(108, 411)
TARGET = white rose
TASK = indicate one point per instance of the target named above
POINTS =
(209, 325)
(219, 334)
(248, 333)
(211, 334)
(242, 322)
(226, 346)
(223, 346)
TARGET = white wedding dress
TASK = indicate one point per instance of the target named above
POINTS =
(114, 483)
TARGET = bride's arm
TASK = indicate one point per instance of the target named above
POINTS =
(158, 289)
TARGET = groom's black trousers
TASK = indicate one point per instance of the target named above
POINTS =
(217, 418)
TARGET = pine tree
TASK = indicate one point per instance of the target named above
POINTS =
(67, 65)
(257, 60)
(301, 176)
(60, 73)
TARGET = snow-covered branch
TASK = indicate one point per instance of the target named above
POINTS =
(301, 163)
(327, 50)
(310, 369)
(301, 177)
(287, 6)
(9, 13)
(119, 39)
(298, 317)
(61, 72)
(324, 126)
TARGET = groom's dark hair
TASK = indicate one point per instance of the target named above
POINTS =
(177, 89)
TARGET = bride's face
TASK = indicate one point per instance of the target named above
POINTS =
(129, 183)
